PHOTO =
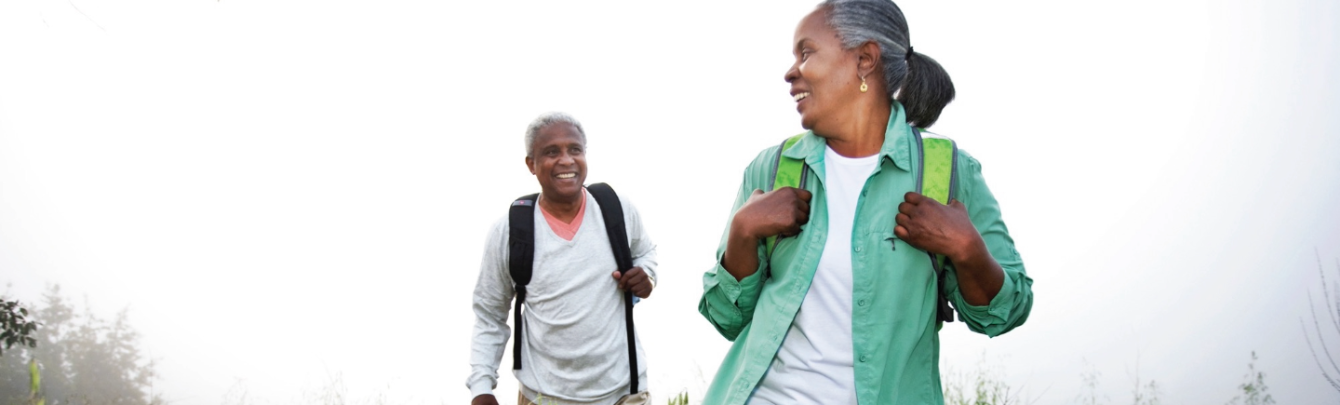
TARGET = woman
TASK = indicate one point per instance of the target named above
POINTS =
(843, 309)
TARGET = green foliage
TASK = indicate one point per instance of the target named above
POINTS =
(1090, 377)
(1254, 389)
(984, 387)
(681, 399)
(1144, 393)
(15, 326)
(334, 392)
(35, 391)
(82, 360)
(1332, 374)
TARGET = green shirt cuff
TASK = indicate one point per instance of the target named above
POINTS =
(732, 288)
(998, 310)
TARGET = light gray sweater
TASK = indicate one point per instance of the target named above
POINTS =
(575, 348)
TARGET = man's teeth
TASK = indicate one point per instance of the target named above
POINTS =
(801, 96)
(567, 175)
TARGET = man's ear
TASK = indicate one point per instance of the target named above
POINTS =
(530, 164)
(868, 61)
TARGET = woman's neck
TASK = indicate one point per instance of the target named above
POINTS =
(862, 133)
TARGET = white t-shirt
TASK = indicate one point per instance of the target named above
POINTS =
(814, 364)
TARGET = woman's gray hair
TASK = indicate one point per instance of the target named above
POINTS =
(925, 86)
(546, 120)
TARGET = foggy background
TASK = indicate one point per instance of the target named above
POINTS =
(286, 193)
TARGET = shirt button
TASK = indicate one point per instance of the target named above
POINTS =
(858, 248)
(860, 303)
(863, 358)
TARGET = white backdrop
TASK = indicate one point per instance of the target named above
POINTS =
(284, 193)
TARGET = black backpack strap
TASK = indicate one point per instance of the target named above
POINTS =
(612, 212)
(520, 261)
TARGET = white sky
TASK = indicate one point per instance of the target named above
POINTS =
(286, 191)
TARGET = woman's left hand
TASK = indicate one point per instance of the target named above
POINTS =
(937, 228)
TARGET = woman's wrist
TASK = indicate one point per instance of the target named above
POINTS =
(971, 251)
(741, 232)
(740, 258)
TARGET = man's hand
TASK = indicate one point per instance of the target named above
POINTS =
(484, 399)
(635, 280)
(777, 212)
(937, 228)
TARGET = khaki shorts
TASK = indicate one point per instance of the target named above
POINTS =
(641, 398)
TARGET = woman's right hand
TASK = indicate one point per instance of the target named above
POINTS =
(778, 212)
(484, 399)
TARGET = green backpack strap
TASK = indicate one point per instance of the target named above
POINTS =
(786, 172)
(938, 179)
(939, 156)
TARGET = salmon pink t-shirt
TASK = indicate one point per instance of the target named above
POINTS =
(566, 230)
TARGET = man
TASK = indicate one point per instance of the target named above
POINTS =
(574, 346)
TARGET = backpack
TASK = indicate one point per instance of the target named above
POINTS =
(521, 260)
(937, 178)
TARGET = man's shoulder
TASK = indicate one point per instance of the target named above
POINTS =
(625, 203)
(499, 231)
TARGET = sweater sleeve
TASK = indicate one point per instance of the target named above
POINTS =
(492, 298)
(1010, 307)
(641, 245)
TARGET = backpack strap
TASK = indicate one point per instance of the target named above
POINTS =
(611, 210)
(520, 261)
(786, 172)
(938, 179)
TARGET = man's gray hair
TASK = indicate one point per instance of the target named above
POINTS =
(546, 120)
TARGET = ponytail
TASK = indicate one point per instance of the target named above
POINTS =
(926, 90)
(921, 85)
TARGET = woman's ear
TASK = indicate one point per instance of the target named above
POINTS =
(867, 62)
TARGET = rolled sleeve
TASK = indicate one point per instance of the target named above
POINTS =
(1007, 310)
(729, 303)
(482, 386)
(1011, 306)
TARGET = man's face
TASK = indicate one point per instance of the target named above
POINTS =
(558, 161)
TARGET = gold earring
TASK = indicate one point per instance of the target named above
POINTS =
(863, 86)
